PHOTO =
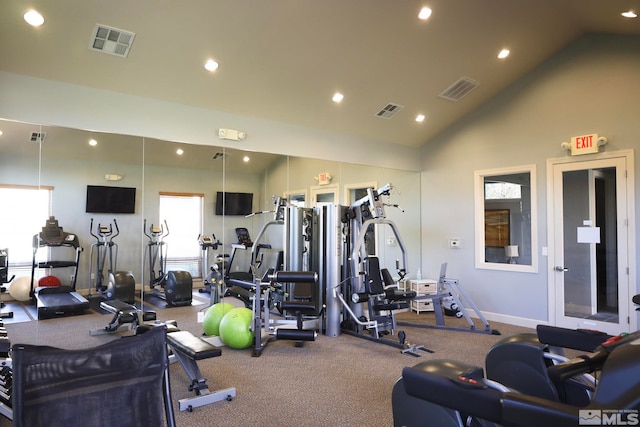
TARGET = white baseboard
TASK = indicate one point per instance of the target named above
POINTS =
(511, 320)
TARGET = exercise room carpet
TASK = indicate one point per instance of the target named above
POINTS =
(333, 381)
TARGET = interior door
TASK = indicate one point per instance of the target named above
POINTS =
(324, 195)
(590, 262)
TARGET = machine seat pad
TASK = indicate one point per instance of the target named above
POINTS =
(117, 306)
(194, 347)
(399, 294)
(301, 306)
(391, 306)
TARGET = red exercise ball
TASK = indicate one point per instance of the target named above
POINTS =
(49, 281)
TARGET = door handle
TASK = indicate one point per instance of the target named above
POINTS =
(562, 269)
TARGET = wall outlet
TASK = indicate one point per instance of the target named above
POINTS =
(200, 316)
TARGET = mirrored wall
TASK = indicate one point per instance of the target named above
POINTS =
(64, 161)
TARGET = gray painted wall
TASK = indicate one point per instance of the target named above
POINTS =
(591, 86)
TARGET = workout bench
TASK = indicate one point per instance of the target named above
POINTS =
(188, 349)
(125, 317)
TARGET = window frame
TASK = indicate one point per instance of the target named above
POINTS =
(479, 219)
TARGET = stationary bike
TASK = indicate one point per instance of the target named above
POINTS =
(174, 287)
(120, 284)
(214, 278)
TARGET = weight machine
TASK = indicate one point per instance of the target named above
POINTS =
(365, 282)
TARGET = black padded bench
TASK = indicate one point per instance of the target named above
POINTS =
(125, 317)
(188, 349)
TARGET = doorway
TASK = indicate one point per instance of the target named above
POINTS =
(590, 233)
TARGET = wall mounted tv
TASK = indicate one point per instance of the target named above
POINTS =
(102, 199)
(234, 203)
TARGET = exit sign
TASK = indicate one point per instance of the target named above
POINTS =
(585, 144)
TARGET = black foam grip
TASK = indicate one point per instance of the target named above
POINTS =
(296, 335)
(296, 276)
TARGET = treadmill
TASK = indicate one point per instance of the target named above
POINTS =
(57, 301)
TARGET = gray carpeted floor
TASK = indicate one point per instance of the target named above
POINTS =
(342, 381)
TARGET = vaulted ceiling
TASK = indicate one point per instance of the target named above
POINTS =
(283, 60)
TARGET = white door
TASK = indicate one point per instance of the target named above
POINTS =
(324, 195)
(589, 238)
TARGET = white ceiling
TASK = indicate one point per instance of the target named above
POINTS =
(282, 60)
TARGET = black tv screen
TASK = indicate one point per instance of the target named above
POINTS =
(234, 203)
(102, 199)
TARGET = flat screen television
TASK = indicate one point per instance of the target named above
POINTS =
(234, 203)
(117, 200)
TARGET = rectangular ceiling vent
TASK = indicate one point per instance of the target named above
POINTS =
(389, 111)
(38, 137)
(111, 40)
(459, 89)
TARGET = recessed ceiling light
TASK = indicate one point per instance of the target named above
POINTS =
(337, 97)
(629, 14)
(420, 118)
(33, 18)
(93, 142)
(425, 13)
(503, 53)
(179, 151)
(211, 65)
(246, 159)
(1, 133)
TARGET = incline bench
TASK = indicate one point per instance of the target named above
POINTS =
(188, 349)
(185, 347)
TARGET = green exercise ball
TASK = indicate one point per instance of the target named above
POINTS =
(235, 328)
(213, 316)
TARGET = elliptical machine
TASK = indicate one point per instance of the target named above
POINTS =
(175, 287)
(120, 285)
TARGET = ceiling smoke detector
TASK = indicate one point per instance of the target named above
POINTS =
(459, 89)
(111, 40)
(389, 111)
(38, 137)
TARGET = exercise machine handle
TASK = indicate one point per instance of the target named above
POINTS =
(580, 365)
(115, 223)
(295, 276)
(91, 230)
(144, 229)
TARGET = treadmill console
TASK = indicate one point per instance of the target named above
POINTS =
(243, 237)
(53, 235)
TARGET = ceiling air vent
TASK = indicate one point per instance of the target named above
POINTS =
(38, 136)
(458, 89)
(389, 111)
(111, 40)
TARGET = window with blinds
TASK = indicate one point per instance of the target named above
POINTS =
(183, 213)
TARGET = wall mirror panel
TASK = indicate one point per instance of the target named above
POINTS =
(505, 219)
(66, 162)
